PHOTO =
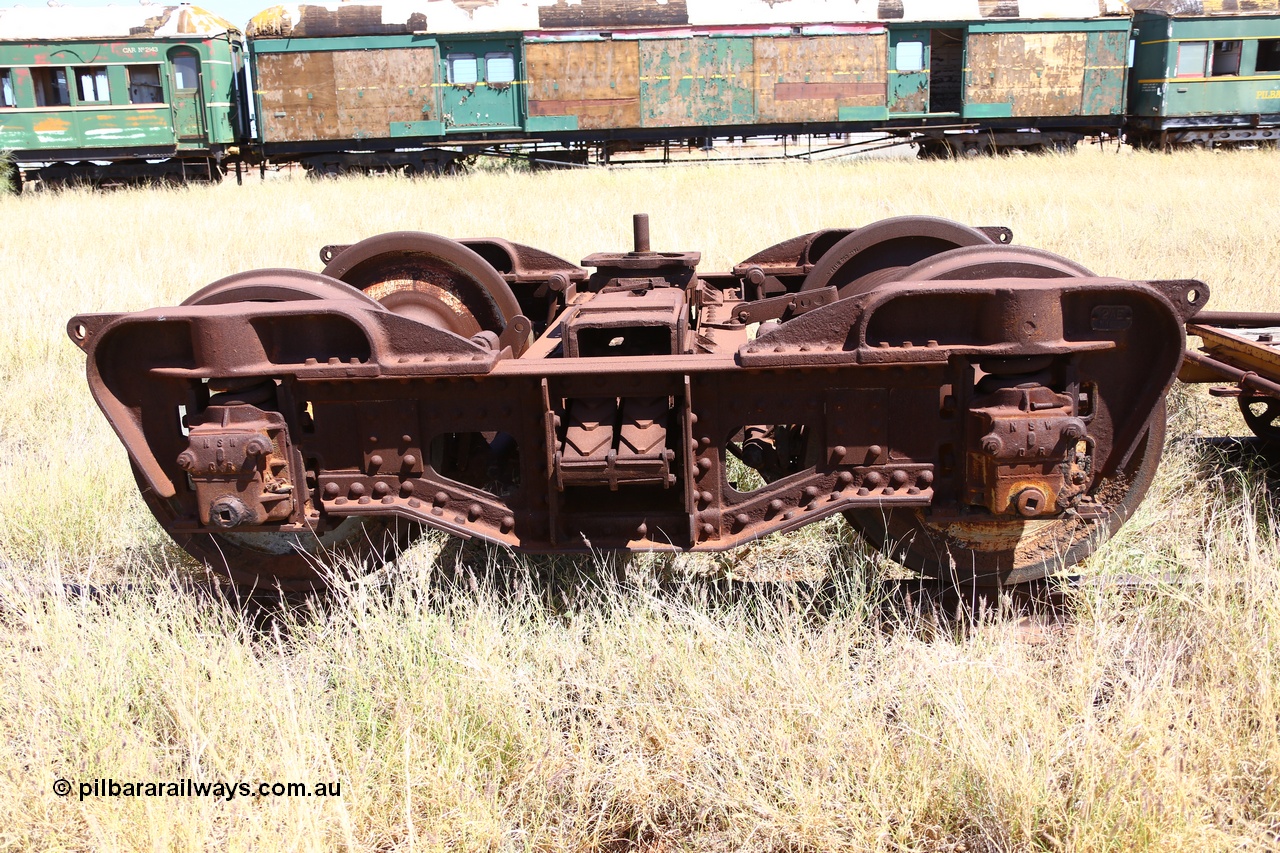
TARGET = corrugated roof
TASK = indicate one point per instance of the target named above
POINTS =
(66, 23)
(463, 16)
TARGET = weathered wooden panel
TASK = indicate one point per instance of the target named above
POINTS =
(378, 87)
(1040, 74)
(346, 94)
(1106, 60)
(597, 81)
(698, 81)
(810, 79)
(577, 14)
(298, 98)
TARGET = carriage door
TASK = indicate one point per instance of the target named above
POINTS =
(908, 72)
(188, 102)
(480, 77)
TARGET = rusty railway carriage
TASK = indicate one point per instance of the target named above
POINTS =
(980, 411)
(404, 81)
(1205, 72)
(160, 91)
(119, 93)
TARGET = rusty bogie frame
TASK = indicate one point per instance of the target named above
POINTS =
(973, 407)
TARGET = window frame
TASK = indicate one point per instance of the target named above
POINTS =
(1206, 53)
(9, 88)
(1273, 47)
(1237, 54)
(101, 83)
(179, 61)
(504, 55)
(43, 87)
(897, 57)
(450, 63)
(158, 67)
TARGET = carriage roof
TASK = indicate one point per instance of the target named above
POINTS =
(67, 23)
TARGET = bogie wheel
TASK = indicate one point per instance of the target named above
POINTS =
(881, 250)
(265, 560)
(1262, 415)
(431, 279)
(985, 551)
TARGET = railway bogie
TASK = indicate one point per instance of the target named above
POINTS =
(975, 408)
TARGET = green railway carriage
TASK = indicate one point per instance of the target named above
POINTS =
(1205, 72)
(119, 93)
(416, 85)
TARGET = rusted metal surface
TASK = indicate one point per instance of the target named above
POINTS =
(1001, 405)
(312, 20)
(1243, 349)
(345, 94)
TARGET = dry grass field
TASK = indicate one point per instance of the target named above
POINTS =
(469, 700)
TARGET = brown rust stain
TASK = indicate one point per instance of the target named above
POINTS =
(598, 82)
(810, 79)
(825, 91)
(345, 94)
(1040, 74)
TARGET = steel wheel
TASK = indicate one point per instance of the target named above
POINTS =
(873, 254)
(1262, 415)
(986, 551)
(431, 279)
(265, 560)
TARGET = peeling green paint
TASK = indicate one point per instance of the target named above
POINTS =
(697, 82)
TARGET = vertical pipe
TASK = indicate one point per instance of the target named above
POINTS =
(640, 228)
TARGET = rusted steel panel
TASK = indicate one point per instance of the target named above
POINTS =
(349, 94)
(809, 79)
(1039, 74)
(696, 82)
(297, 94)
(1106, 62)
(378, 87)
(598, 82)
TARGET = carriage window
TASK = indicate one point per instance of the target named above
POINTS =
(462, 69)
(499, 67)
(910, 56)
(1226, 58)
(186, 72)
(144, 85)
(91, 85)
(1268, 55)
(51, 87)
(1191, 58)
(6, 89)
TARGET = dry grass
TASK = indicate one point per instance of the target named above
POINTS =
(469, 700)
